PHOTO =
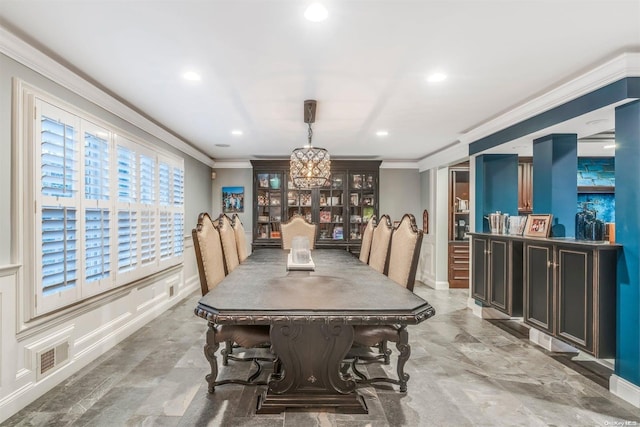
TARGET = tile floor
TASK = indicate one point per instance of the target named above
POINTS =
(464, 372)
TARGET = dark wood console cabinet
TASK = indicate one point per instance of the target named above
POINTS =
(497, 272)
(563, 287)
(570, 293)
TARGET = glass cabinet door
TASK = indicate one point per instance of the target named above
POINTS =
(269, 205)
(299, 202)
(361, 202)
(331, 209)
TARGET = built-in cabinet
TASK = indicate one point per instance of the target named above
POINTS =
(570, 293)
(341, 208)
(459, 226)
(525, 185)
(497, 272)
(563, 287)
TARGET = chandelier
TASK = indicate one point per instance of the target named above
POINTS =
(310, 166)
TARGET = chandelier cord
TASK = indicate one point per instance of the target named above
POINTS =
(309, 123)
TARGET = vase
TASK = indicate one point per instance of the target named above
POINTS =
(275, 182)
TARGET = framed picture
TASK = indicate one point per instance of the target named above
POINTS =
(538, 225)
(263, 180)
(232, 199)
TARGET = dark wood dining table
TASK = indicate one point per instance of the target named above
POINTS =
(312, 315)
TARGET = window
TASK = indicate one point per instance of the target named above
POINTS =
(109, 209)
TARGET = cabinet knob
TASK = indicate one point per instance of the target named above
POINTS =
(551, 264)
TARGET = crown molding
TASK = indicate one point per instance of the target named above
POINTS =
(232, 164)
(624, 65)
(453, 154)
(391, 164)
(22, 52)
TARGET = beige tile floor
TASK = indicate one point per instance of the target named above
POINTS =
(464, 372)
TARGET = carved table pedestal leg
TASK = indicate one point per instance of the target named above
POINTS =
(311, 356)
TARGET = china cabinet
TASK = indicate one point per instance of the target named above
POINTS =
(341, 208)
(459, 226)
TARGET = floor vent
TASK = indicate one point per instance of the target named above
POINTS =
(51, 359)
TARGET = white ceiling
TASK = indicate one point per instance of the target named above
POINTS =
(366, 65)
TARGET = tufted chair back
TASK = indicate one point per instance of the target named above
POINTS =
(241, 238)
(367, 235)
(229, 246)
(298, 226)
(380, 244)
(208, 247)
(406, 242)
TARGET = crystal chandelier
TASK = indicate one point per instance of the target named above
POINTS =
(310, 166)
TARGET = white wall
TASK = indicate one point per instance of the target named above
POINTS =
(89, 329)
(400, 193)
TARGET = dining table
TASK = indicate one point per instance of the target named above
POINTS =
(312, 314)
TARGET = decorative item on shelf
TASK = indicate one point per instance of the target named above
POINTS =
(497, 222)
(367, 213)
(516, 224)
(305, 199)
(538, 225)
(463, 205)
(263, 180)
(369, 182)
(367, 201)
(291, 198)
(338, 233)
(263, 218)
(310, 167)
(336, 182)
(323, 200)
(262, 200)
(325, 216)
(355, 199)
(588, 227)
(356, 181)
(274, 182)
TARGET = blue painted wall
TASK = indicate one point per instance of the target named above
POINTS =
(496, 186)
(555, 178)
(628, 235)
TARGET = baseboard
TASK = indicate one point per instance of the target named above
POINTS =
(625, 390)
(550, 343)
(441, 284)
(485, 312)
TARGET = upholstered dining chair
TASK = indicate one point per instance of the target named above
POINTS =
(367, 235)
(229, 245)
(380, 244)
(404, 253)
(211, 269)
(241, 238)
(297, 225)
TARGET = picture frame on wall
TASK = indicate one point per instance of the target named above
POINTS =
(538, 225)
(232, 199)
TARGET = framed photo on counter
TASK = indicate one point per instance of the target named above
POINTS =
(538, 225)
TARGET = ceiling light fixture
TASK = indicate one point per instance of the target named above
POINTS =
(609, 146)
(191, 76)
(316, 12)
(382, 133)
(437, 78)
(236, 132)
(310, 166)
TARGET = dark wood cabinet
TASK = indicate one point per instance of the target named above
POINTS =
(571, 293)
(459, 226)
(539, 286)
(459, 264)
(497, 273)
(525, 185)
(341, 208)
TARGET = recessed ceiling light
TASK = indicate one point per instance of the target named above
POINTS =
(236, 132)
(609, 146)
(223, 145)
(191, 76)
(316, 12)
(382, 133)
(436, 77)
